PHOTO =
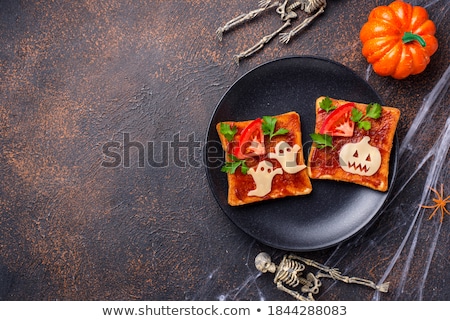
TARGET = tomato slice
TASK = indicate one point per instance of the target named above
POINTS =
(338, 122)
(251, 141)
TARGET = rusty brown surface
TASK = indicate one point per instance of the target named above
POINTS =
(77, 74)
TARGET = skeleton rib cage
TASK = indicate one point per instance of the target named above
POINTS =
(309, 6)
(289, 272)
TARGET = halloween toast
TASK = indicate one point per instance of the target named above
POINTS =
(263, 158)
(352, 142)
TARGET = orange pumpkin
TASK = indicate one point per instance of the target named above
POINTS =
(398, 39)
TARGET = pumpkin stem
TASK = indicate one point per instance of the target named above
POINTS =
(409, 36)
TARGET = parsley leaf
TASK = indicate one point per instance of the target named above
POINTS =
(231, 167)
(268, 127)
(373, 111)
(268, 124)
(322, 140)
(327, 104)
(365, 124)
(227, 131)
(357, 115)
(281, 131)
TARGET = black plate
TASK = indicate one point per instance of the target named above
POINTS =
(334, 211)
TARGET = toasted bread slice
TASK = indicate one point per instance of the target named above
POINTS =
(288, 178)
(362, 158)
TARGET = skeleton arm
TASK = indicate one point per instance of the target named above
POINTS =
(264, 5)
(382, 288)
(312, 263)
(258, 46)
(285, 37)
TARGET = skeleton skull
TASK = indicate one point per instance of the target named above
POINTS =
(264, 263)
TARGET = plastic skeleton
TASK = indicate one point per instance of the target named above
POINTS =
(286, 12)
(290, 270)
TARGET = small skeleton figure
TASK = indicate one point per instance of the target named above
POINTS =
(286, 12)
(289, 273)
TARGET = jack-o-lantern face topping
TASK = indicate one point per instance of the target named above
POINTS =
(360, 158)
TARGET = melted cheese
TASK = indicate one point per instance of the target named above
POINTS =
(360, 158)
(287, 157)
(263, 176)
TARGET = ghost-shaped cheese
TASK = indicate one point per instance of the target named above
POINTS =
(287, 157)
(263, 176)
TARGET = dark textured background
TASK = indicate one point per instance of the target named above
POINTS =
(75, 75)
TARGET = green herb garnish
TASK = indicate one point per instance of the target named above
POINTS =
(327, 104)
(322, 140)
(228, 131)
(373, 111)
(268, 127)
(230, 167)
